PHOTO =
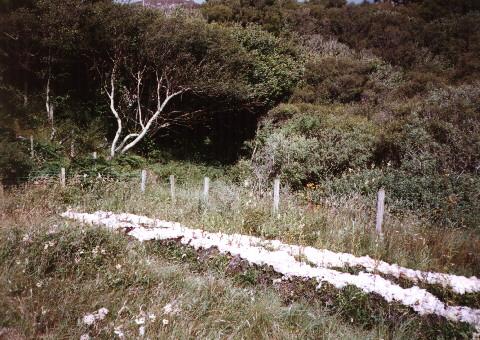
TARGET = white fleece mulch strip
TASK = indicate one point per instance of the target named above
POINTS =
(283, 258)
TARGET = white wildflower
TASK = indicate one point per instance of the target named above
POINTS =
(26, 238)
(89, 319)
(170, 308)
(167, 309)
(85, 337)
(118, 266)
(102, 313)
(118, 332)
(165, 322)
(141, 331)
(48, 245)
(140, 320)
(152, 317)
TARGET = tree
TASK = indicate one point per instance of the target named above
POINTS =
(151, 61)
(165, 92)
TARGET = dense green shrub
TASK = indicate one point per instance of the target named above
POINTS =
(330, 79)
(312, 145)
(448, 200)
(273, 66)
(427, 161)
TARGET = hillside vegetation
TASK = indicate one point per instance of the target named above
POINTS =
(337, 100)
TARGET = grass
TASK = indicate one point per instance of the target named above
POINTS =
(61, 272)
(344, 224)
(55, 277)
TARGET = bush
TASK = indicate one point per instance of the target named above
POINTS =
(427, 161)
(425, 165)
(306, 147)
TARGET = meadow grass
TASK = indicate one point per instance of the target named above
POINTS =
(345, 224)
(53, 271)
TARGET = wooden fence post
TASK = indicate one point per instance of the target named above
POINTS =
(206, 187)
(62, 177)
(32, 151)
(144, 180)
(172, 187)
(276, 195)
(380, 210)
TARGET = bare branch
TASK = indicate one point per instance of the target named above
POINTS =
(125, 140)
(139, 77)
(111, 96)
(11, 36)
(153, 118)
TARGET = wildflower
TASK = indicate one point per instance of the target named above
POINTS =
(118, 332)
(85, 337)
(152, 316)
(26, 238)
(140, 320)
(141, 331)
(118, 266)
(48, 245)
(168, 308)
(102, 313)
(165, 322)
(39, 284)
(89, 319)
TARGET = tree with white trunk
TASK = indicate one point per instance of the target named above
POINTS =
(159, 116)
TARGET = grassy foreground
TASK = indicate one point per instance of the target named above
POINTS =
(53, 272)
